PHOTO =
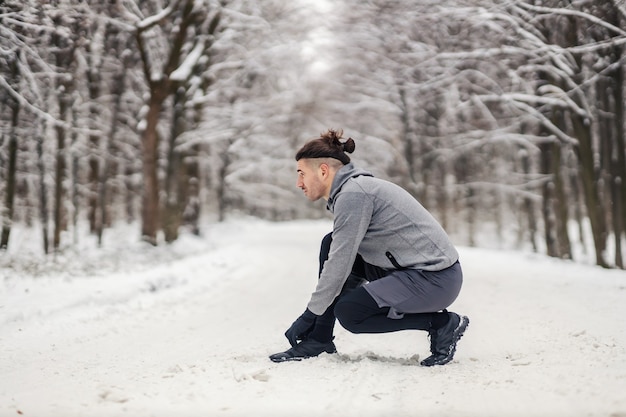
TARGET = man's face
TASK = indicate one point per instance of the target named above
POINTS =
(311, 179)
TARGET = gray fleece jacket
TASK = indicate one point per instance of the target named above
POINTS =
(385, 225)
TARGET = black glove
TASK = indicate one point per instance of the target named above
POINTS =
(301, 328)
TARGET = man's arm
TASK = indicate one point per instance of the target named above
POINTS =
(353, 212)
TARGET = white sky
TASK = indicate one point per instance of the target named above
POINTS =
(320, 40)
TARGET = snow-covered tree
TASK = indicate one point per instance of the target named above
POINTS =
(171, 42)
(504, 114)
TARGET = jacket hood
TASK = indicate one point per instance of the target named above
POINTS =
(341, 177)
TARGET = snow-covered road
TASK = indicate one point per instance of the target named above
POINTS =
(189, 335)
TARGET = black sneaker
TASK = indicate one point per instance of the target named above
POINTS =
(443, 341)
(303, 350)
(432, 335)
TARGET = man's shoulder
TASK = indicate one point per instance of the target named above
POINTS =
(360, 185)
(354, 193)
(370, 185)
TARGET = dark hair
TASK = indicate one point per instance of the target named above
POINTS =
(327, 145)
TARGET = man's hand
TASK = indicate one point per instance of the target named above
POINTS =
(301, 328)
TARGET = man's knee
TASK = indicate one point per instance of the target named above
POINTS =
(345, 312)
(354, 308)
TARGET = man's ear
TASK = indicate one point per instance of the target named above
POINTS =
(324, 169)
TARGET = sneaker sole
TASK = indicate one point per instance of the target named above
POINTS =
(278, 359)
(294, 358)
(287, 359)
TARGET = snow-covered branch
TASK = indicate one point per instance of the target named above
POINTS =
(576, 13)
(150, 21)
(32, 26)
(512, 190)
(25, 103)
(597, 46)
(42, 114)
(491, 53)
(563, 101)
(184, 71)
(527, 108)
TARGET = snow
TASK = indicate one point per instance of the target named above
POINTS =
(186, 330)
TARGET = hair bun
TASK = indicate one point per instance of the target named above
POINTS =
(328, 145)
(349, 145)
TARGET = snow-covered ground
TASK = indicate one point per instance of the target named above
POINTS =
(186, 330)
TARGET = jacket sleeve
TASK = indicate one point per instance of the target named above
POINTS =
(353, 212)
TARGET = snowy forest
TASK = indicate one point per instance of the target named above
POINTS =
(500, 115)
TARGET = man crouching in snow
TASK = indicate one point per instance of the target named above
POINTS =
(387, 265)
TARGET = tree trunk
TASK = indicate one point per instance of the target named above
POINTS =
(12, 163)
(59, 174)
(74, 170)
(577, 199)
(407, 133)
(529, 207)
(116, 92)
(561, 205)
(130, 194)
(618, 221)
(471, 216)
(160, 89)
(94, 153)
(93, 75)
(43, 191)
(441, 196)
(547, 194)
(589, 176)
(175, 197)
(221, 182)
(191, 213)
(150, 142)
(618, 159)
(64, 56)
